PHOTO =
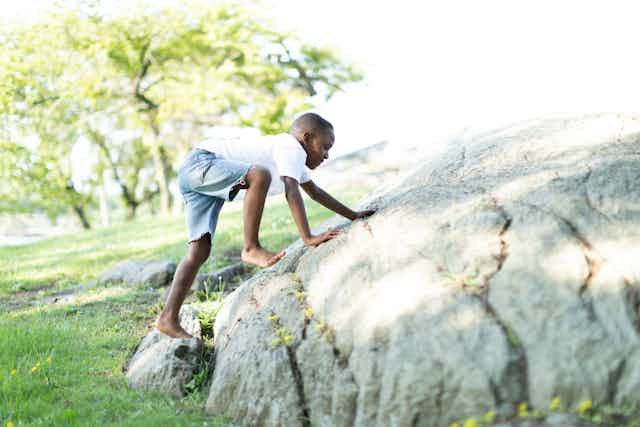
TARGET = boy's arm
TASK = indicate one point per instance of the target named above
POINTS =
(296, 204)
(325, 199)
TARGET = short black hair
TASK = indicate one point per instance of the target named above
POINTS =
(310, 122)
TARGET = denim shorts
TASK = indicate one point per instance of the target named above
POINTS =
(206, 181)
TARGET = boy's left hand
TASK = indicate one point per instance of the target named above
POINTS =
(364, 214)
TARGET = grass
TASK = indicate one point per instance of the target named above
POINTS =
(61, 262)
(61, 364)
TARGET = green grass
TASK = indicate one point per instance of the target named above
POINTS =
(90, 340)
(61, 262)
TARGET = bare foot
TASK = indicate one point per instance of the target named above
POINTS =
(260, 256)
(173, 329)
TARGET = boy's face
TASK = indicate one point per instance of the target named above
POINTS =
(317, 147)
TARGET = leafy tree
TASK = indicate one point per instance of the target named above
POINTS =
(37, 107)
(152, 74)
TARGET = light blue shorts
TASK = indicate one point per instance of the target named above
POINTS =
(206, 182)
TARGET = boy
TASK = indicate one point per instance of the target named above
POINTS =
(214, 173)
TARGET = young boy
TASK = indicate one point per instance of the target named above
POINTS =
(214, 173)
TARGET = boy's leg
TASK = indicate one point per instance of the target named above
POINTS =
(258, 179)
(168, 321)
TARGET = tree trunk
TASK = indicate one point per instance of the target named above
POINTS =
(162, 179)
(128, 195)
(79, 211)
(160, 164)
(131, 211)
(104, 201)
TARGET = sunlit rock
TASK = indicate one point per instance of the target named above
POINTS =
(500, 271)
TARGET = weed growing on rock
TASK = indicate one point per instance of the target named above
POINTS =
(604, 415)
(207, 318)
(284, 337)
(309, 314)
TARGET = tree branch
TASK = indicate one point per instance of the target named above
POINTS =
(139, 92)
(307, 82)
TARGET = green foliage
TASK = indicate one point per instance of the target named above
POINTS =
(144, 76)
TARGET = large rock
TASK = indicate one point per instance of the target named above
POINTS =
(504, 270)
(154, 273)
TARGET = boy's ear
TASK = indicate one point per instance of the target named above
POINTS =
(307, 137)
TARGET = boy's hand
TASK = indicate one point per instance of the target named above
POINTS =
(363, 214)
(321, 238)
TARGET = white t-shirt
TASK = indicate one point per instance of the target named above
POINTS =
(281, 154)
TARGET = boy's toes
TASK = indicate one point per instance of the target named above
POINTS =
(261, 257)
(277, 257)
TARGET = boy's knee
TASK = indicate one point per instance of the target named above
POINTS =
(200, 250)
(259, 175)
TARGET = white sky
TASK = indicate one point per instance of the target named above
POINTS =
(435, 68)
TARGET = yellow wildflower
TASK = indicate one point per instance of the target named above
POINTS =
(522, 410)
(471, 422)
(585, 406)
(49, 360)
(9, 424)
(308, 312)
(490, 416)
(555, 404)
(273, 318)
(14, 371)
(35, 367)
(287, 340)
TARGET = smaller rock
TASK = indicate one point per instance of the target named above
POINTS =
(154, 273)
(230, 276)
(119, 273)
(166, 364)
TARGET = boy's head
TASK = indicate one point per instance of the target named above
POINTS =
(316, 136)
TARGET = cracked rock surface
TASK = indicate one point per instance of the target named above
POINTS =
(506, 269)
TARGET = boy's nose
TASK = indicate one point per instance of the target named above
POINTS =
(326, 156)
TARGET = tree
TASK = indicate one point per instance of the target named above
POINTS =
(151, 73)
(38, 107)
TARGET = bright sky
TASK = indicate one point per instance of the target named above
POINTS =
(435, 68)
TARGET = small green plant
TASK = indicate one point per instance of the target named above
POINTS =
(197, 381)
(626, 415)
(512, 337)
(210, 295)
(283, 336)
(465, 279)
(207, 318)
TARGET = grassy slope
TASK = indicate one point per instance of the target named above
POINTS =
(88, 341)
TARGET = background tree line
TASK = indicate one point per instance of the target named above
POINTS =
(138, 89)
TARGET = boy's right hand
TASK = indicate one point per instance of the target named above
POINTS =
(321, 238)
